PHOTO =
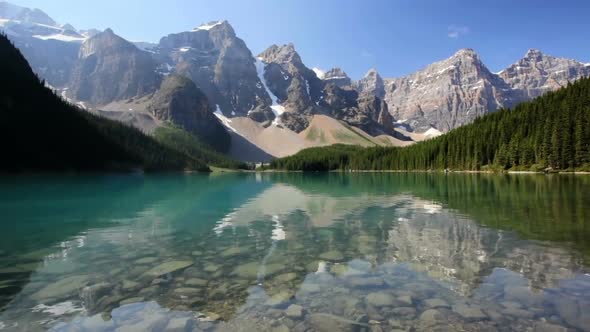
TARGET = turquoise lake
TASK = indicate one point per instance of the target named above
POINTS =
(295, 252)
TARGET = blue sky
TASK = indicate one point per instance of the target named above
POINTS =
(396, 37)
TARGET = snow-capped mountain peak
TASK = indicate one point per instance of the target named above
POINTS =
(208, 26)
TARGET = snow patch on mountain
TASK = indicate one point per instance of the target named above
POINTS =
(276, 108)
(226, 122)
(432, 132)
(61, 37)
(207, 26)
(319, 73)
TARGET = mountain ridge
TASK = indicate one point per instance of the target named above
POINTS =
(276, 88)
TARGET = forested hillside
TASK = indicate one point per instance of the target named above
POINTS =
(552, 131)
(41, 131)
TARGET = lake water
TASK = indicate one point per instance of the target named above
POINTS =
(295, 252)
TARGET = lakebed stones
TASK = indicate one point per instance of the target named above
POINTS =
(146, 260)
(196, 282)
(469, 313)
(294, 311)
(62, 288)
(251, 270)
(431, 318)
(333, 255)
(168, 267)
(328, 323)
(129, 285)
(131, 300)
(367, 282)
(380, 299)
(436, 303)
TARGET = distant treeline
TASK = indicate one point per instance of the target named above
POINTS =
(552, 131)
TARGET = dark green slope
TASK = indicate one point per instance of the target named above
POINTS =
(40, 131)
(552, 131)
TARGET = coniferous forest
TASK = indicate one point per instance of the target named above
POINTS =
(550, 132)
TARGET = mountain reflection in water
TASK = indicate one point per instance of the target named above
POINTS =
(296, 252)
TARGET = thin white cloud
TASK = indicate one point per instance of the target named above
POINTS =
(366, 54)
(456, 31)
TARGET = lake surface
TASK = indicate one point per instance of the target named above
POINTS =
(295, 252)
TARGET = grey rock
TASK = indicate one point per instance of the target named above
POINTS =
(365, 281)
(405, 300)
(338, 77)
(432, 317)
(380, 299)
(220, 64)
(327, 323)
(537, 73)
(333, 255)
(405, 312)
(520, 313)
(110, 68)
(470, 313)
(294, 311)
(447, 94)
(180, 101)
(296, 87)
(547, 327)
(436, 303)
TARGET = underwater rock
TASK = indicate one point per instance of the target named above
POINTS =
(250, 270)
(294, 311)
(146, 260)
(196, 282)
(132, 300)
(333, 255)
(129, 285)
(436, 303)
(431, 318)
(168, 267)
(62, 288)
(470, 313)
(380, 299)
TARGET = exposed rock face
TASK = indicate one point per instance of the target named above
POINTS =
(372, 83)
(219, 63)
(110, 68)
(447, 94)
(338, 77)
(296, 87)
(366, 111)
(179, 101)
(538, 73)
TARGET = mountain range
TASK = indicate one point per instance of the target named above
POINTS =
(270, 104)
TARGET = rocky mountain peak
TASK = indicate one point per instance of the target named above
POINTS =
(371, 84)
(466, 52)
(534, 54)
(335, 72)
(537, 73)
(105, 42)
(468, 87)
(337, 76)
(68, 26)
(180, 101)
(281, 54)
(110, 68)
(372, 73)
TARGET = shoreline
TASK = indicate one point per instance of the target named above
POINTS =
(423, 171)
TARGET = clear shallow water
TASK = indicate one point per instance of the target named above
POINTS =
(294, 252)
